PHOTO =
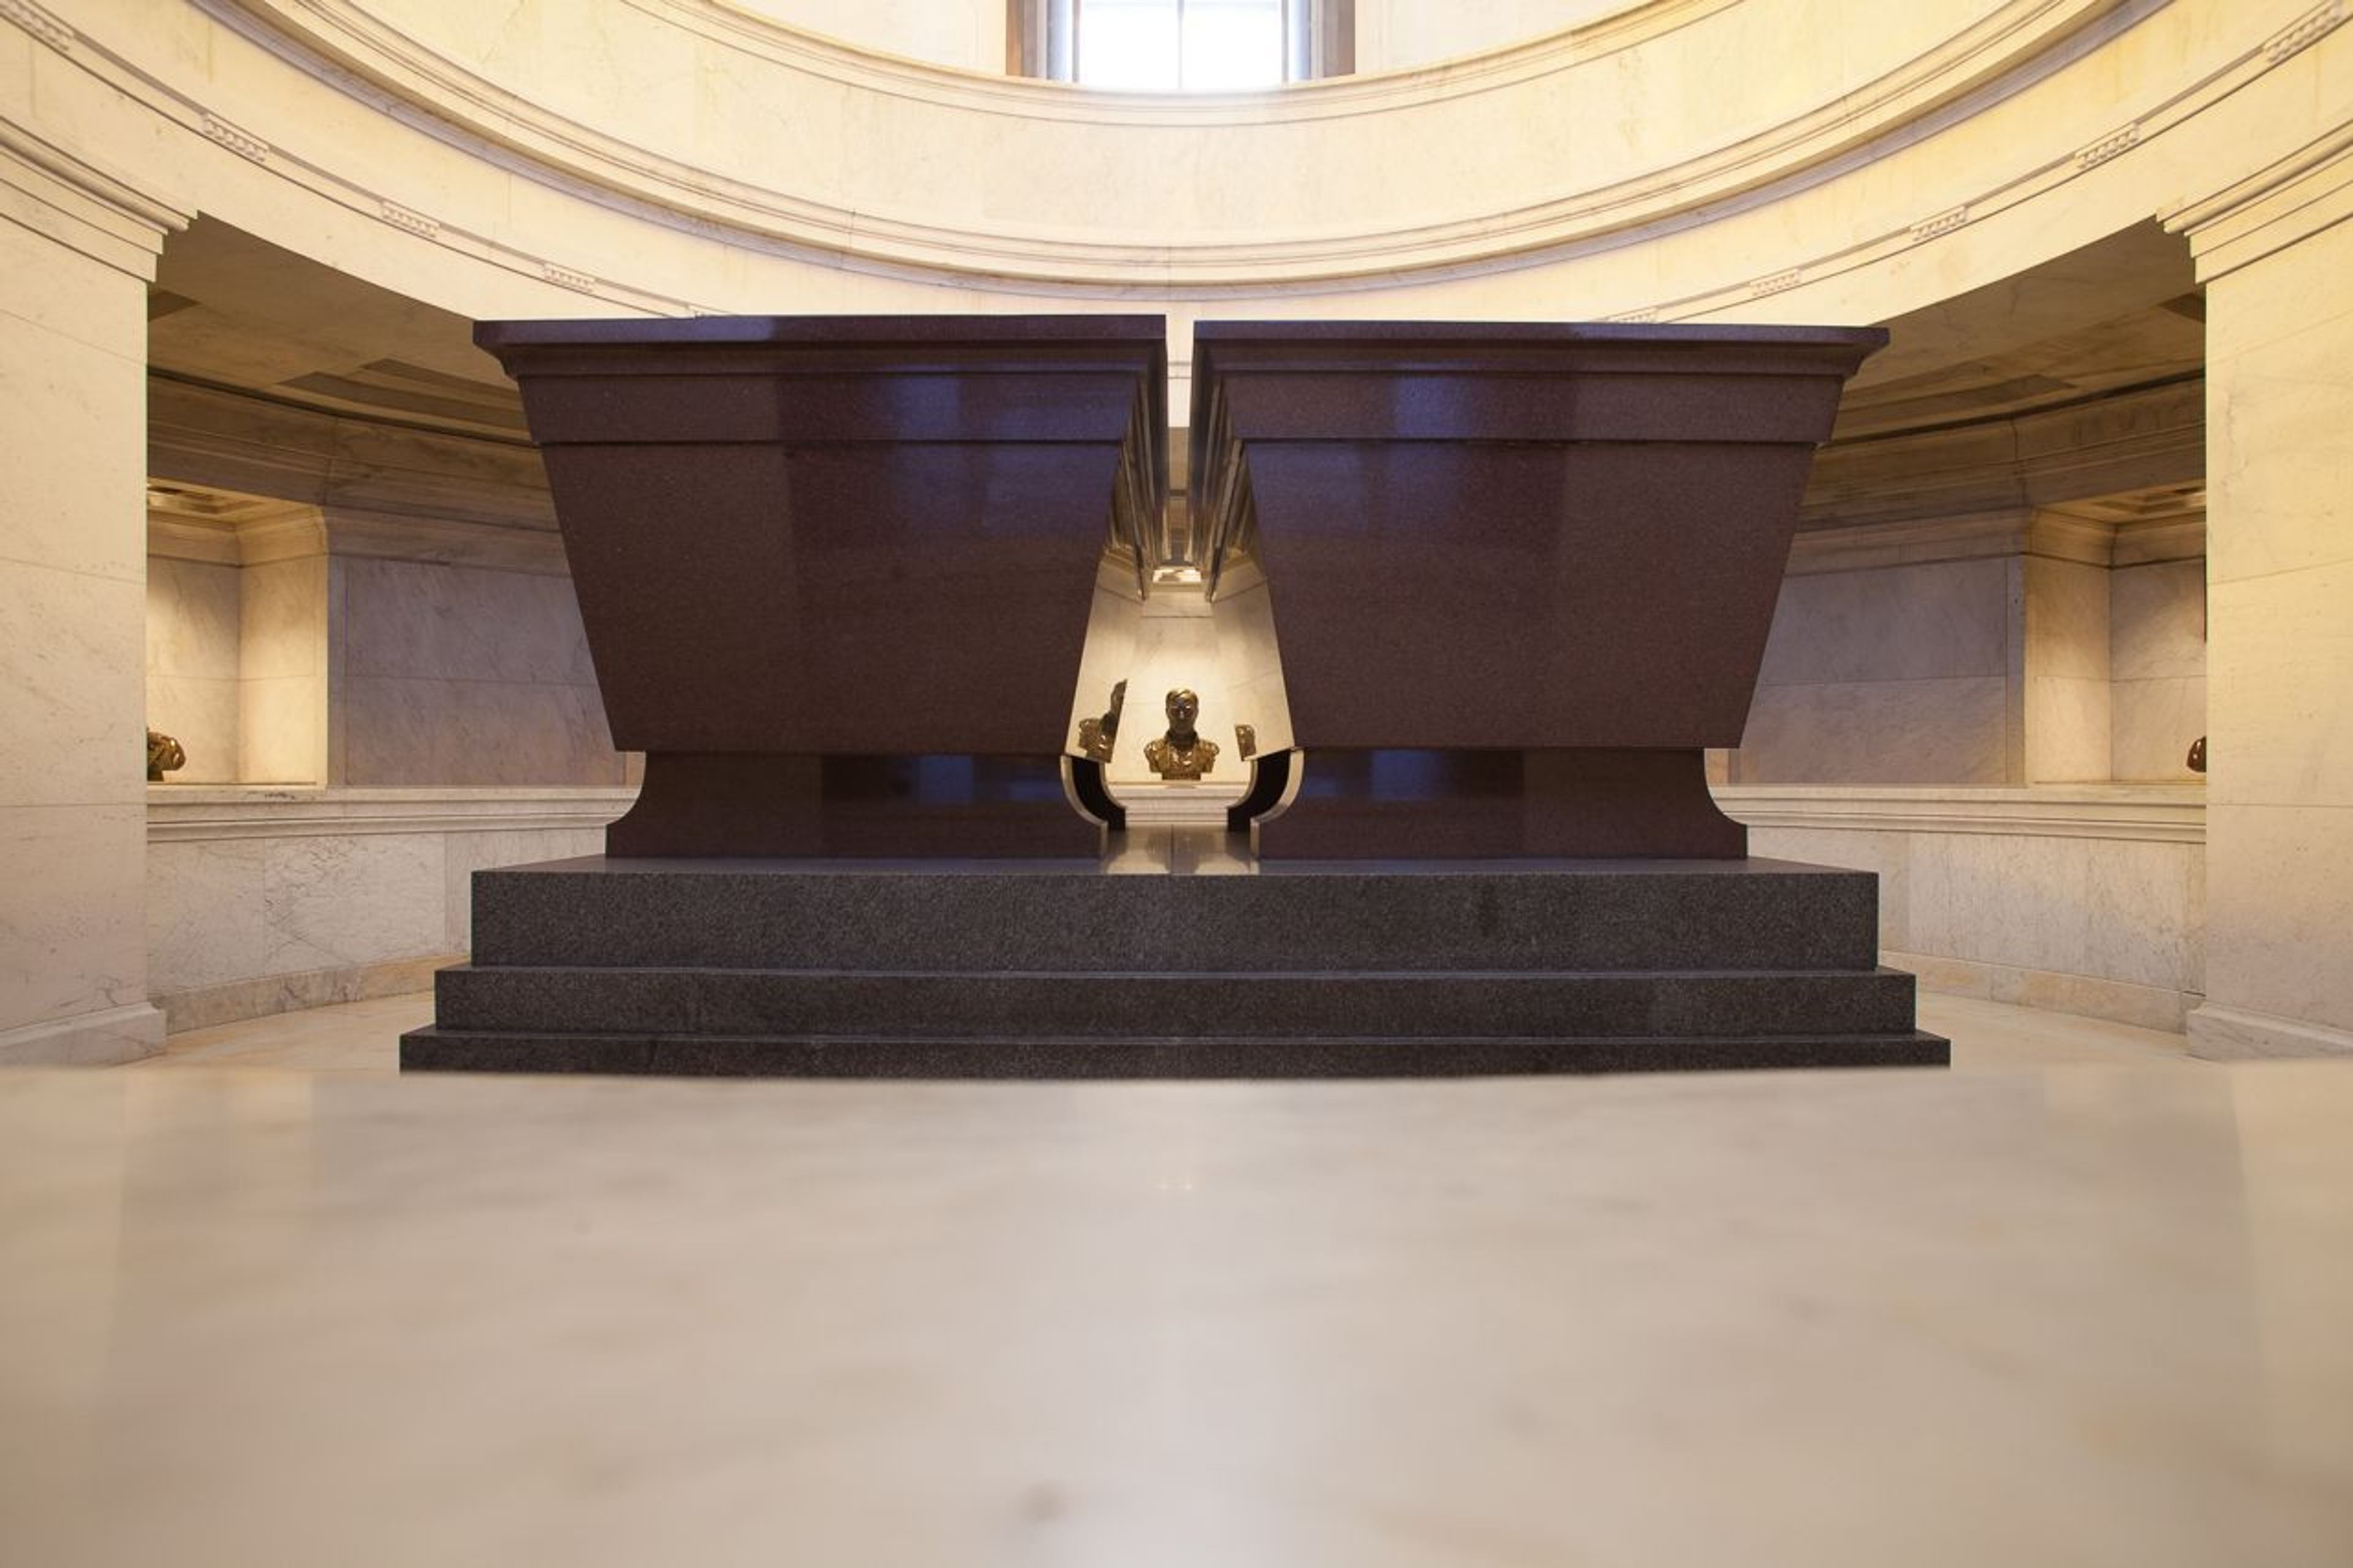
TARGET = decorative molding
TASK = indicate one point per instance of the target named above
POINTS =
(2059, 536)
(210, 544)
(229, 438)
(243, 143)
(2014, 46)
(294, 534)
(2155, 814)
(2218, 1033)
(95, 184)
(2130, 440)
(106, 1037)
(445, 542)
(1943, 223)
(2156, 543)
(1778, 282)
(183, 813)
(2107, 147)
(566, 278)
(2289, 200)
(415, 222)
(39, 23)
(2309, 29)
(1634, 317)
(1872, 546)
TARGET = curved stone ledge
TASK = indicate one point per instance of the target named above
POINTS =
(873, 139)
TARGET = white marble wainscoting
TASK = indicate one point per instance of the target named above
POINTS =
(2084, 899)
(262, 900)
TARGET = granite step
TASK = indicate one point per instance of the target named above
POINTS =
(1593, 915)
(442, 1049)
(936, 1005)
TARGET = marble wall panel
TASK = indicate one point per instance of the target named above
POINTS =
(207, 913)
(71, 938)
(1879, 731)
(2280, 570)
(421, 619)
(1933, 620)
(71, 689)
(2065, 667)
(62, 408)
(2067, 622)
(452, 674)
(2151, 725)
(2157, 620)
(192, 615)
(193, 618)
(2067, 729)
(329, 902)
(2279, 941)
(283, 612)
(282, 724)
(2115, 909)
(2283, 656)
(429, 732)
(204, 716)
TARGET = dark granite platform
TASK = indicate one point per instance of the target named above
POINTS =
(1057, 969)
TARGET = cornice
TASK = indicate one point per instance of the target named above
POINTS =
(2160, 814)
(2271, 209)
(343, 42)
(80, 204)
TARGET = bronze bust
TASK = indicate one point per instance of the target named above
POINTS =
(164, 755)
(1184, 753)
(1096, 735)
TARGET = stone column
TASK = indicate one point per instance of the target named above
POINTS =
(78, 247)
(2274, 253)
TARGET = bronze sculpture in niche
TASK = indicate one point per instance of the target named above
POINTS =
(1184, 753)
(163, 755)
(1096, 735)
(1246, 741)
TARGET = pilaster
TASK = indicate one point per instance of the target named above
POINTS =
(78, 245)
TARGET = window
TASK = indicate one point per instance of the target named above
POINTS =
(1180, 46)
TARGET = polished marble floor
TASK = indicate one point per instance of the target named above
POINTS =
(2080, 1300)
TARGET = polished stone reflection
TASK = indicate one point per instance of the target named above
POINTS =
(2086, 1314)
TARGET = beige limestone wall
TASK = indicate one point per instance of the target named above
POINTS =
(2274, 255)
(966, 34)
(77, 247)
(1396, 35)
